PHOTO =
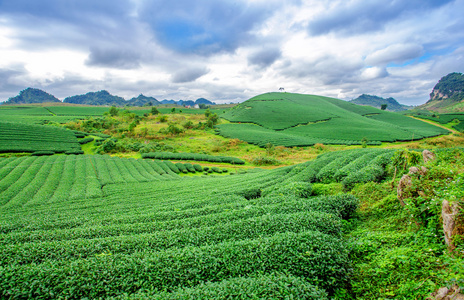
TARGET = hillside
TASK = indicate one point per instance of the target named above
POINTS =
(188, 102)
(377, 102)
(447, 95)
(31, 95)
(142, 100)
(300, 120)
(96, 98)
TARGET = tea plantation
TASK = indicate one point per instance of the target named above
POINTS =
(299, 120)
(96, 226)
(19, 137)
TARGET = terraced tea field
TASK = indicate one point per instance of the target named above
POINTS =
(97, 226)
(301, 120)
(20, 137)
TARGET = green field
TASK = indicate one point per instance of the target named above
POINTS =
(298, 120)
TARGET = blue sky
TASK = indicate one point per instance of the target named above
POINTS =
(229, 51)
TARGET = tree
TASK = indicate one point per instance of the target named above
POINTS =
(383, 106)
(154, 111)
(114, 111)
(173, 110)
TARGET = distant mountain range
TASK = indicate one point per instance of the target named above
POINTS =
(447, 95)
(376, 101)
(31, 95)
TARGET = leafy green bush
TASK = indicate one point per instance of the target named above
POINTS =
(216, 170)
(190, 168)
(181, 167)
(265, 161)
(198, 168)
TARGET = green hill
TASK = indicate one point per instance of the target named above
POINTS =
(300, 120)
(142, 100)
(377, 102)
(96, 98)
(31, 95)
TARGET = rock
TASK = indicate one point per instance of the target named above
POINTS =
(440, 294)
(428, 156)
(423, 170)
(416, 170)
(448, 215)
(445, 293)
(405, 182)
(413, 170)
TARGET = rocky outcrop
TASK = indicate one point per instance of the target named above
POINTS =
(428, 156)
(449, 212)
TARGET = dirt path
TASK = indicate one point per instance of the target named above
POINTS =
(435, 124)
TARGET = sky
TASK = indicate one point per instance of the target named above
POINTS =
(230, 50)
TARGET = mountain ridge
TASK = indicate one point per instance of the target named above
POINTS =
(103, 97)
(377, 102)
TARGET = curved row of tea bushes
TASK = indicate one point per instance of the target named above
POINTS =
(192, 156)
(113, 227)
(246, 228)
(273, 286)
(20, 137)
(320, 258)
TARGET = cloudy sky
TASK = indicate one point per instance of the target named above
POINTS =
(229, 51)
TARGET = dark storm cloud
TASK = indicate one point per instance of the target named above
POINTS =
(354, 17)
(265, 57)
(114, 58)
(204, 26)
(188, 75)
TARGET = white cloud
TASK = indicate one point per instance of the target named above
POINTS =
(396, 53)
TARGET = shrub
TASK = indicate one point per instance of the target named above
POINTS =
(41, 153)
(86, 140)
(216, 170)
(265, 161)
(198, 168)
(190, 168)
(181, 167)
(77, 152)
